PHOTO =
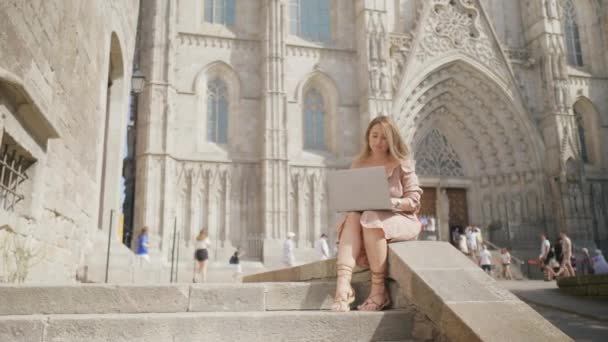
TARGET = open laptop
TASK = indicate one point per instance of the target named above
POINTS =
(358, 189)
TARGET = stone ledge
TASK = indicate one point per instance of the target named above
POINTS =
(588, 285)
(250, 326)
(465, 303)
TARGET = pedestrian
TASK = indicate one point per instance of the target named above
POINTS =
(462, 244)
(551, 265)
(545, 247)
(505, 259)
(478, 235)
(600, 265)
(289, 258)
(567, 255)
(455, 237)
(485, 260)
(143, 246)
(586, 263)
(471, 241)
(201, 255)
(323, 247)
(235, 260)
(364, 235)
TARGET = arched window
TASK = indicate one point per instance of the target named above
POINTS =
(309, 19)
(219, 11)
(571, 34)
(580, 124)
(217, 111)
(314, 120)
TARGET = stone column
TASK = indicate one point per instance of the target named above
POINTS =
(375, 81)
(274, 155)
(155, 109)
(557, 122)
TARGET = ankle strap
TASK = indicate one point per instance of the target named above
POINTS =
(378, 277)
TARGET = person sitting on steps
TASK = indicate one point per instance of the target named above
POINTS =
(364, 235)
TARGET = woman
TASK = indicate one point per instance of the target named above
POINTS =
(201, 255)
(505, 259)
(363, 236)
(143, 245)
(586, 263)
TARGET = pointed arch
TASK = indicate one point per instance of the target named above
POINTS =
(588, 126)
(319, 98)
(217, 88)
(435, 156)
(572, 37)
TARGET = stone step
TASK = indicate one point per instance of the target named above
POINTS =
(392, 325)
(232, 297)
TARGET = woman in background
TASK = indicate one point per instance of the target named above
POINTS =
(201, 255)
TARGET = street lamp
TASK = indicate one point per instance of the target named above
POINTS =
(138, 80)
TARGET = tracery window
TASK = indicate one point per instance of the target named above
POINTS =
(309, 19)
(217, 111)
(219, 11)
(580, 124)
(314, 120)
(436, 157)
(571, 34)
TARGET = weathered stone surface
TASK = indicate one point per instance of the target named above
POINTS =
(465, 303)
(20, 329)
(227, 297)
(320, 270)
(251, 326)
(92, 298)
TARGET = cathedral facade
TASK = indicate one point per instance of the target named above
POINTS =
(248, 105)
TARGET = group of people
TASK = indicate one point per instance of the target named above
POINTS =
(467, 240)
(559, 260)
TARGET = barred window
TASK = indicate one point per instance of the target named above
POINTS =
(571, 34)
(219, 11)
(314, 120)
(309, 19)
(217, 111)
(14, 164)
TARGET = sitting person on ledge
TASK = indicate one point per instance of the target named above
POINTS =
(363, 236)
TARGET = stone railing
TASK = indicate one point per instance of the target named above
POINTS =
(588, 285)
(461, 301)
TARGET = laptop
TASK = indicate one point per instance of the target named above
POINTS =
(358, 189)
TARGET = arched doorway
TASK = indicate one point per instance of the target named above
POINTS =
(485, 151)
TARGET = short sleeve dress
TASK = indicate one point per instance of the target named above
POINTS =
(397, 225)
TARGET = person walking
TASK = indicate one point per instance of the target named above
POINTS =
(235, 260)
(545, 247)
(143, 246)
(364, 235)
(201, 255)
(485, 260)
(323, 247)
(600, 266)
(505, 259)
(289, 258)
(567, 255)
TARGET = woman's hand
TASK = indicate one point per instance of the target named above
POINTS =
(403, 204)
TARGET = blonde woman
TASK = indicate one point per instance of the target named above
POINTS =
(201, 255)
(363, 236)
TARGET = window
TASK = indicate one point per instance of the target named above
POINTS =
(314, 121)
(581, 136)
(14, 162)
(571, 34)
(219, 11)
(217, 111)
(309, 19)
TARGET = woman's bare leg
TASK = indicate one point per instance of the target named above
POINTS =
(376, 249)
(204, 269)
(348, 250)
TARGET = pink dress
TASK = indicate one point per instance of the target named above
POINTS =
(397, 225)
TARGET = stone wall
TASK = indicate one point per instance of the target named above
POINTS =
(56, 55)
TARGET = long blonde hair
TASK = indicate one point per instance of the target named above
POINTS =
(396, 147)
(202, 235)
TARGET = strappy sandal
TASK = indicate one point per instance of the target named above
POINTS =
(370, 304)
(343, 302)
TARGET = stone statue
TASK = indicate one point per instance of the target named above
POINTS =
(552, 10)
(374, 78)
(385, 80)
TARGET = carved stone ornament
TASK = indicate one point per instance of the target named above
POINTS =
(455, 25)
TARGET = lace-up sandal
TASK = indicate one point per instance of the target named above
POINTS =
(343, 299)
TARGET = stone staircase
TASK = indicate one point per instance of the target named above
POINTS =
(198, 312)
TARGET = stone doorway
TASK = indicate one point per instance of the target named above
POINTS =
(459, 211)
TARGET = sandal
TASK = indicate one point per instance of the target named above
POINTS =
(342, 302)
(370, 304)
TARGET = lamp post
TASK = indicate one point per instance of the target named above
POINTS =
(138, 80)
